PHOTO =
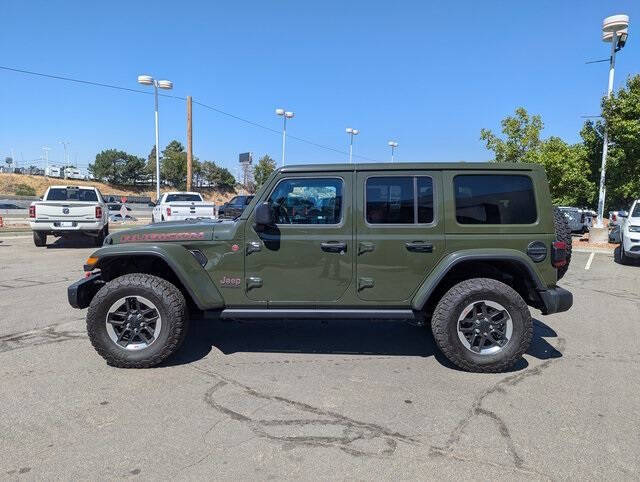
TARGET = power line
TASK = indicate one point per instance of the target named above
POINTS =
(215, 109)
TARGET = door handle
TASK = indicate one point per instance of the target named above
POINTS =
(253, 247)
(254, 282)
(419, 247)
(333, 247)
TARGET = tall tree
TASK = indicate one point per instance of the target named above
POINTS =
(117, 167)
(217, 176)
(567, 166)
(621, 114)
(173, 167)
(263, 170)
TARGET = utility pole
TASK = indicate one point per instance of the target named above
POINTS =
(189, 145)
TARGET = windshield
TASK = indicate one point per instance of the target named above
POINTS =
(636, 210)
(183, 197)
(72, 194)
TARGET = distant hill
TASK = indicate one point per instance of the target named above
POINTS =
(8, 183)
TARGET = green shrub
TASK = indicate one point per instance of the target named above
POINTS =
(24, 190)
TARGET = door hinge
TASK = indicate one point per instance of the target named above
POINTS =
(254, 282)
(365, 283)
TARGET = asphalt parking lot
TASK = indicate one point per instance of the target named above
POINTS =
(321, 400)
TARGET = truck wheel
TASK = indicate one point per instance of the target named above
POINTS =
(137, 320)
(482, 325)
(624, 259)
(563, 233)
(99, 239)
(39, 238)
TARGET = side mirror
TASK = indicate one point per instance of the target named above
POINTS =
(264, 215)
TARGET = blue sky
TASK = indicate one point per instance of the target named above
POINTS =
(429, 75)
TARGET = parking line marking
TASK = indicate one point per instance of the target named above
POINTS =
(590, 260)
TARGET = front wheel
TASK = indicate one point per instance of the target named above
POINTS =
(137, 321)
(482, 325)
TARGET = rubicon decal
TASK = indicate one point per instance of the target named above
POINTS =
(141, 238)
(227, 282)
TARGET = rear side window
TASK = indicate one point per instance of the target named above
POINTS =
(636, 210)
(62, 194)
(399, 200)
(494, 199)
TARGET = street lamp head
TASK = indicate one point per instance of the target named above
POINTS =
(355, 132)
(280, 111)
(393, 144)
(288, 114)
(615, 23)
(145, 79)
(349, 130)
(165, 84)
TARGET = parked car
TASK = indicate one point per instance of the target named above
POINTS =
(234, 208)
(9, 206)
(579, 220)
(466, 246)
(117, 207)
(178, 206)
(67, 210)
(630, 234)
(616, 217)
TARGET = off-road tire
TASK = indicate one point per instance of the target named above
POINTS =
(563, 233)
(171, 306)
(444, 325)
(39, 239)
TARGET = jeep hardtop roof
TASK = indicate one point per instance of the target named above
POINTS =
(408, 166)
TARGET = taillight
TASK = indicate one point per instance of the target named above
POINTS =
(98, 212)
(168, 211)
(32, 211)
(558, 254)
(614, 218)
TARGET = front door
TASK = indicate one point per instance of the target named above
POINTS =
(307, 256)
(399, 232)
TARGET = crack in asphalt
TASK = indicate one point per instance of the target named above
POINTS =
(478, 410)
(43, 336)
(354, 437)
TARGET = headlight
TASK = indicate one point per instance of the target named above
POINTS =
(634, 229)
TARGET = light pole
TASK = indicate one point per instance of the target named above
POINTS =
(46, 158)
(285, 115)
(393, 145)
(614, 30)
(352, 132)
(162, 84)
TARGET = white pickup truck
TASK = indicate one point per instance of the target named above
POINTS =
(69, 210)
(178, 206)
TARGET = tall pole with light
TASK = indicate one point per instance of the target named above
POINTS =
(352, 132)
(157, 84)
(285, 115)
(392, 145)
(614, 30)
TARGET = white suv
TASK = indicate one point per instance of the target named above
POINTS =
(630, 234)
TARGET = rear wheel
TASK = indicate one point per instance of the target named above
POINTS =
(99, 240)
(482, 325)
(39, 238)
(563, 233)
(137, 321)
(624, 258)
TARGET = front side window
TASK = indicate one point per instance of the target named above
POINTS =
(307, 201)
(399, 200)
(494, 199)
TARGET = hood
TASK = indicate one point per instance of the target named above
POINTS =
(166, 232)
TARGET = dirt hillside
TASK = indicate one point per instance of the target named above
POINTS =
(8, 183)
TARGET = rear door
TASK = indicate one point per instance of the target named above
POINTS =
(399, 232)
(308, 256)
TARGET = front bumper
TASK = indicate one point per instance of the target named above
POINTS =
(82, 291)
(555, 300)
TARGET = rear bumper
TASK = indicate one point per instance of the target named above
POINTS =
(82, 291)
(555, 300)
(57, 226)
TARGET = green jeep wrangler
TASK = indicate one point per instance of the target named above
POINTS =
(462, 247)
